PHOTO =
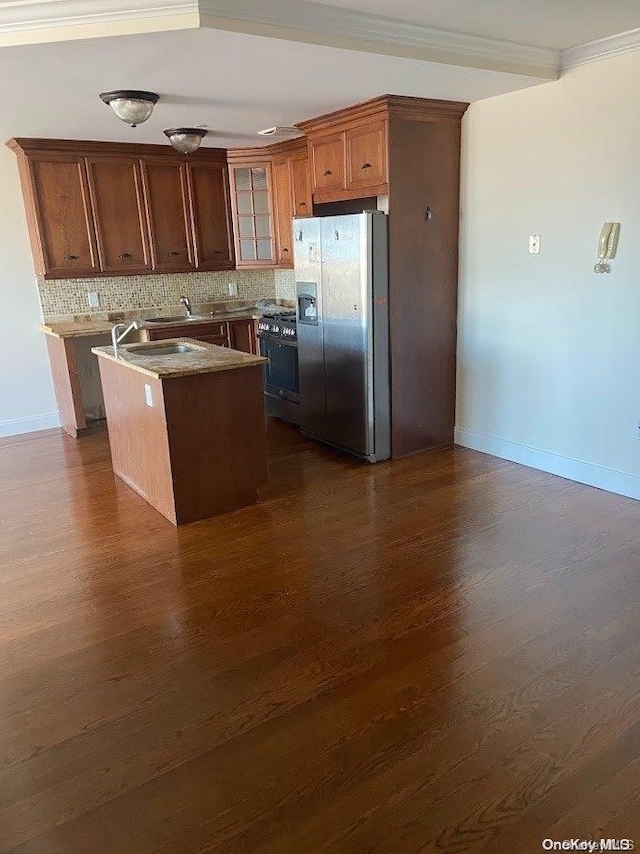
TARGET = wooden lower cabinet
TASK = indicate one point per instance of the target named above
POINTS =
(243, 335)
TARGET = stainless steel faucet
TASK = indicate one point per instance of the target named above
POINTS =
(186, 302)
(117, 337)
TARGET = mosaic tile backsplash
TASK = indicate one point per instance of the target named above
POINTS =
(123, 293)
(285, 285)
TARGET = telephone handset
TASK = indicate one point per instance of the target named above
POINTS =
(607, 246)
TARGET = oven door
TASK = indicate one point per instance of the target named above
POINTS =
(281, 371)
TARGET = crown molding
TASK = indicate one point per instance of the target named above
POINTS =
(317, 23)
(601, 49)
(33, 21)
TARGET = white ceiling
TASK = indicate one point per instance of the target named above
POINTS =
(231, 82)
(554, 24)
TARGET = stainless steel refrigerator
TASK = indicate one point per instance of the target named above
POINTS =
(341, 272)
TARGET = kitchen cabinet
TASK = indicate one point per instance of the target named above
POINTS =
(243, 335)
(59, 214)
(283, 204)
(209, 192)
(167, 209)
(348, 154)
(269, 186)
(100, 208)
(301, 183)
(115, 186)
(327, 162)
(252, 194)
(366, 155)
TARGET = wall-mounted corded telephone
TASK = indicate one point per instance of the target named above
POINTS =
(607, 246)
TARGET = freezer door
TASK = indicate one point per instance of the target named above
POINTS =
(308, 274)
(346, 300)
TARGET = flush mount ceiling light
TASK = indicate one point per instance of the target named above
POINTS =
(131, 105)
(185, 140)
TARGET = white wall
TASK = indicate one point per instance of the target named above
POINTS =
(549, 352)
(27, 400)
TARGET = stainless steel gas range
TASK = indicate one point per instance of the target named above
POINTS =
(279, 344)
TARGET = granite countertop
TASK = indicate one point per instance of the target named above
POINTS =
(87, 328)
(79, 329)
(206, 358)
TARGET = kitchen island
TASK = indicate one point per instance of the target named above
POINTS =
(187, 425)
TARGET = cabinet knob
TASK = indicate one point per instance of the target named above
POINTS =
(70, 257)
(126, 255)
(328, 172)
(366, 166)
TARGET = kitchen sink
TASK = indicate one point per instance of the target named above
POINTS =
(179, 319)
(166, 350)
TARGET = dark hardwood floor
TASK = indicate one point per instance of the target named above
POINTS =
(438, 654)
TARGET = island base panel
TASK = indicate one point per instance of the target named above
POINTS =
(200, 450)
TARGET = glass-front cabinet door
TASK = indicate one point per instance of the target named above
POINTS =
(253, 216)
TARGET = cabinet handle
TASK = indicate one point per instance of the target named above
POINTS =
(328, 172)
(217, 252)
(70, 257)
(173, 254)
(285, 250)
(302, 205)
(126, 255)
(366, 166)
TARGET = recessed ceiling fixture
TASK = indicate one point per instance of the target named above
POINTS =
(131, 105)
(280, 131)
(186, 140)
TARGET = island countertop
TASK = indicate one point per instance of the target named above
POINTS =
(205, 358)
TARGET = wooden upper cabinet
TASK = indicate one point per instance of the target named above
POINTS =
(209, 190)
(301, 181)
(252, 204)
(118, 210)
(366, 152)
(168, 216)
(283, 206)
(59, 215)
(327, 162)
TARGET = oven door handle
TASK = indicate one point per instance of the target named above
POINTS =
(280, 342)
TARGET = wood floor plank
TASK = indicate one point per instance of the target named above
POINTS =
(435, 654)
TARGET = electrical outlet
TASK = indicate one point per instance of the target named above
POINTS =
(233, 289)
(636, 429)
(534, 244)
(93, 299)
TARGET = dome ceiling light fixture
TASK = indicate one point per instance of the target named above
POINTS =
(131, 105)
(186, 140)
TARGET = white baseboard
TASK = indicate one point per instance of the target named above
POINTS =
(620, 482)
(29, 425)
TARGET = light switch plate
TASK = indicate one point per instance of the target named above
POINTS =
(93, 299)
(534, 244)
(148, 394)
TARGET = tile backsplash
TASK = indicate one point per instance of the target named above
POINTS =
(123, 293)
(285, 285)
